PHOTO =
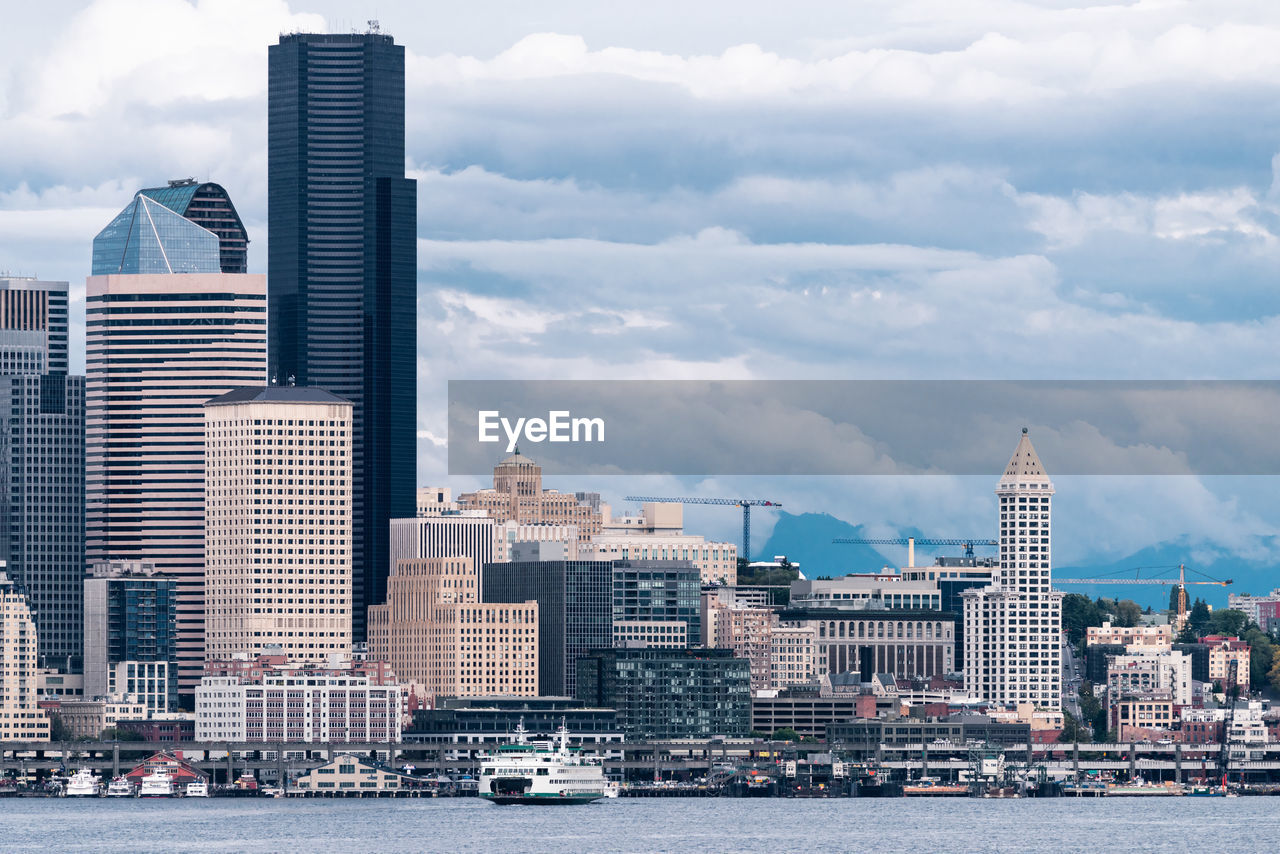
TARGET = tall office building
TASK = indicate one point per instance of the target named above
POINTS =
(277, 536)
(33, 326)
(467, 533)
(42, 506)
(342, 229)
(208, 206)
(42, 463)
(434, 632)
(1012, 629)
(20, 718)
(166, 331)
(130, 634)
(575, 611)
(658, 602)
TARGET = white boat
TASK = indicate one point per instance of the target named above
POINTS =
(157, 784)
(83, 784)
(120, 787)
(197, 789)
(541, 772)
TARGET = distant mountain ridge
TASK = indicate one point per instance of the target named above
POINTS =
(806, 539)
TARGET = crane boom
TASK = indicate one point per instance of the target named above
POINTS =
(745, 503)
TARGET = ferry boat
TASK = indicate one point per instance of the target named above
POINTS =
(83, 784)
(197, 789)
(120, 787)
(157, 784)
(542, 772)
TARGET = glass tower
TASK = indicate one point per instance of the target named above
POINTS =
(342, 226)
(147, 237)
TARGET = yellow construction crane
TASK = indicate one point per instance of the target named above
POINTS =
(1181, 582)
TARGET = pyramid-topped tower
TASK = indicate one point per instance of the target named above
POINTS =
(1013, 628)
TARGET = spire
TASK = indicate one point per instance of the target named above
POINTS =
(1025, 464)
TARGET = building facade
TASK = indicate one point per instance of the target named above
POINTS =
(669, 693)
(130, 619)
(1012, 629)
(298, 707)
(454, 533)
(1156, 637)
(42, 505)
(517, 495)
(278, 523)
(1149, 671)
(1228, 661)
(33, 326)
(658, 591)
(575, 611)
(342, 249)
(21, 719)
(208, 206)
(905, 643)
(166, 331)
(434, 633)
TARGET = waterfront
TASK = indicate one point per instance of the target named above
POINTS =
(693, 825)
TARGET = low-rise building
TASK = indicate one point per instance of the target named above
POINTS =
(347, 775)
(1144, 670)
(1141, 710)
(1156, 637)
(492, 720)
(906, 643)
(862, 739)
(297, 707)
(88, 718)
(810, 713)
(1223, 651)
(874, 591)
(1263, 610)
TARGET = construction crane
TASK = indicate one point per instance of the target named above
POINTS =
(911, 542)
(745, 503)
(1180, 582)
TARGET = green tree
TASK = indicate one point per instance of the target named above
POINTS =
(121, 734)
(1198, 619)
(1127, 613)
(1078, 614)
(59, 731)
(1262, 652)
(786, 734)
(1092, 710)
(1273, 675)
(1187, 635)
(1072, 730)
(1227, 622)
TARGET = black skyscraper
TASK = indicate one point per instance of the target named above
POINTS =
(342, 265)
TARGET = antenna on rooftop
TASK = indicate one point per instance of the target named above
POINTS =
(374, 26)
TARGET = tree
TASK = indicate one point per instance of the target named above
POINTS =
(1273, 675)
(1187, 635)
(1078, 614)
(1128, 613)
(59, 731)
(112, 733)
(1198, 619)
(1262, 652)
(1072, 729)
(1092, 710)
(1227, 622)
(786, 734)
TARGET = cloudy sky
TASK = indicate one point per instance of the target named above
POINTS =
(985, 189)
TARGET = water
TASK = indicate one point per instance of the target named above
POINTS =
(641, 825)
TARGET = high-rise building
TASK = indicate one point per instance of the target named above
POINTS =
(166, 331)
(208, 206)
(657, 533)
(42, 505)
(575, 611)
(130, 618)
(33, 326)
(20, 718)
(466, 533)
(669, 693)
(342, 233)
(658, 591)
(1012, 629)
(277, 539)
(517, 495)
(434, 632)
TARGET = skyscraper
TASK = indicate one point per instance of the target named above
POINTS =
(208, 206)
(342, 226)
(20, 718)
(130, 633)
(1012, 629)
(278, 523)
(42, 464)
(33, 326)
(166, 331)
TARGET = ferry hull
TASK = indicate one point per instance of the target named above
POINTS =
(541, 800)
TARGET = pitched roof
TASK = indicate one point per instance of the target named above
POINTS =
(1025, 463)
(276, 394)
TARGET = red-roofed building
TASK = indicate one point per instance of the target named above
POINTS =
(182, 772)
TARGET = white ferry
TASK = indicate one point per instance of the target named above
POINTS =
(83, 784)
(120, 788)
(542, 772)
(157, 784)
(197, 789)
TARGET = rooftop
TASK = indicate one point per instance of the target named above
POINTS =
(276, 394)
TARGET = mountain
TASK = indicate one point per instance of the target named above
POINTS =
(806, 539)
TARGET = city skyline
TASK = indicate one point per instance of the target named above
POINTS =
(1011, 169)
